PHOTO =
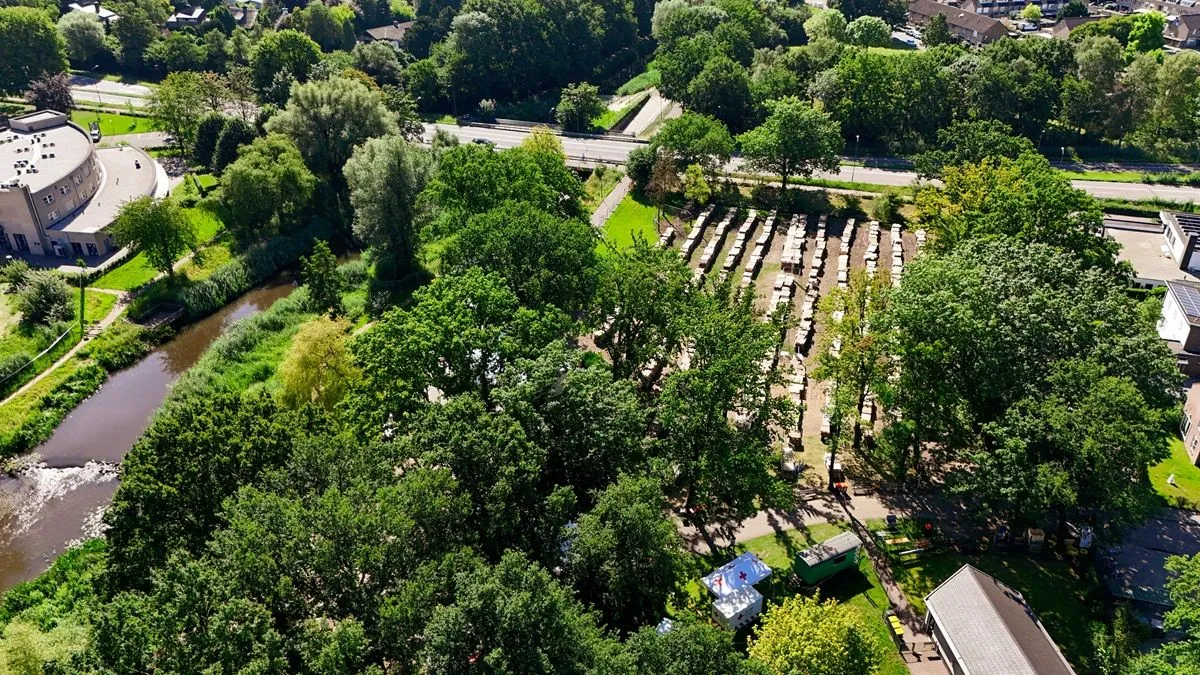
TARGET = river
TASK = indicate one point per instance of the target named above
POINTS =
(61, 498)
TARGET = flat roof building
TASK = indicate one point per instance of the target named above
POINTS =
(58, 193)
(983, 627)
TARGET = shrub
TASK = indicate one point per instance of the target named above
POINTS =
(886, 208)
(51, 409)
(12, 363)
(354, 273)
(44, 298)
(15, 272)
(120, 346)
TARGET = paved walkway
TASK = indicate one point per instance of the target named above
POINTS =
(93, 330)
(655, 110)
(610, 202)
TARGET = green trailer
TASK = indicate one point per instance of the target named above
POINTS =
(818, 563)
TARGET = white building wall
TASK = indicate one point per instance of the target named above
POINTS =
(1173, 323)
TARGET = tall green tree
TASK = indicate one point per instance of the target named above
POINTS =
(794, 140)
(722, 89)
(625, 556)
(30, 47)
(177, 104)
(869, 31)
(318, 368)
(579, 105)
(84, 37)
(266, 189)
(327, 119)
(325, 284)
(696, 139)
(545, 260)
(286, 51)
(970, 142)
(937, 31)
(689, 648)
(135, 32)
(235, 134)
(385, 176)
(157, 228)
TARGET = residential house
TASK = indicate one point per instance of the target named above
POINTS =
(187, 17)
(973, 28)
(392, 33)
(1183, 32)
(983, 627)
(1004, 8)
(1181, 232)
(1189, 423)
(1179, 324)
(106, 16)
(1062, 29)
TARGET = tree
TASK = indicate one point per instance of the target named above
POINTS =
(380, 60)
(44, 298)
(639, 165)
(176, 105)
(327, 119)
(402, 104)
(30, 47)
(860, 363)
(83, 34)
(664, 183)
(625, 557)
(545, 260)
(869, 31)
(970, 142)
(527, 621)
(827, 23)
(208, 129)
(385, 175)
(285, 51)
(579, 104)
(1023, 198)
(51, 92)
(325, 25)
(135, 32)
(643, 294)
(1032, 13)
(1072, 9)
(325, 284)
(937, 31)
(794, 140)
(892, 12)
(1019, 92)
(695, 185)
(1145, 33)
(1183, 589)
(542, 139)
(689, 648)
(157, 228)
(1028, 311)
(805, 635)
(176, 52)
(266, 188)
(722, 90)
(696, 139)
(235, 134)
(318, 368)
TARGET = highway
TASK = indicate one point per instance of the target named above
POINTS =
(588, 151)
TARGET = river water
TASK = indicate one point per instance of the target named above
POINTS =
(60, 498)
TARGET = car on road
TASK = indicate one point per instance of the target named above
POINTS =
(484, 141)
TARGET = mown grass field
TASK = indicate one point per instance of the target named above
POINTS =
(634, 216)
(1186, 491)
(112, 124)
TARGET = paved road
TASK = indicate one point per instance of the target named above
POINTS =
(607, 150)
(107, 92)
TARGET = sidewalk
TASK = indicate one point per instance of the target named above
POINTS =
(610, 202)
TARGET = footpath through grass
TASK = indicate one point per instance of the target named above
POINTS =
(634, 216)
(137, 272)
(598, 185)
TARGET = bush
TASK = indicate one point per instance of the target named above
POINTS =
(12, 363)
(354, 273)
(640, 164)
(44, 298)
(120, 346)
(15, 273)
(886, 208)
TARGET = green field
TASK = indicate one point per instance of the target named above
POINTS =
(640, 82)
(1186, 493)
(892, 51)
(115, 77)
(1059, 594)
(1109, 176)
(136, 271)
(860, 589)
(112, 124)
(633, 217)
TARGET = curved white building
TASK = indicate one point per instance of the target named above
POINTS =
(58, 192)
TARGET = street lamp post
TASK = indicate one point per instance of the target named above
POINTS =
(1063, 149)
(854, 166)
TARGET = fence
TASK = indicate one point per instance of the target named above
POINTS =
(16, 379)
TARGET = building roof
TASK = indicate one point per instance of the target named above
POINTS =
(39, 159)
(392, 31)
(188, 14)
(1184, 223)
(959, 18)
(1065, 26)
(94, 8)
(990, 629)
(1187, 294)
(1147, 252)
(1183, 27)
(129, 173)
(736, 602)
(830, 548)
(741, 572)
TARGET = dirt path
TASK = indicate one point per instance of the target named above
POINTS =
(95, 329)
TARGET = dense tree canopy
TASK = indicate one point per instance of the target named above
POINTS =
(30, 47)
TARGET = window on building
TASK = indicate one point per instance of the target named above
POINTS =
(76, 248)
(91, 248)
(77, 181)
(1185, 425)
(53, 215)
(48, 199)
(64, 189)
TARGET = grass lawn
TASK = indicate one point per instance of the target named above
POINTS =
(633, 217)
(136, 271)
(892, 51)
(860, 590)
(211, 257)
(14, 413)
(641, 82)
(1186, 493)
(112, 124)
(96, 306)
(1057, 592)
(115, 77)
(598, 185)
(1110, 176)
(609, 118)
